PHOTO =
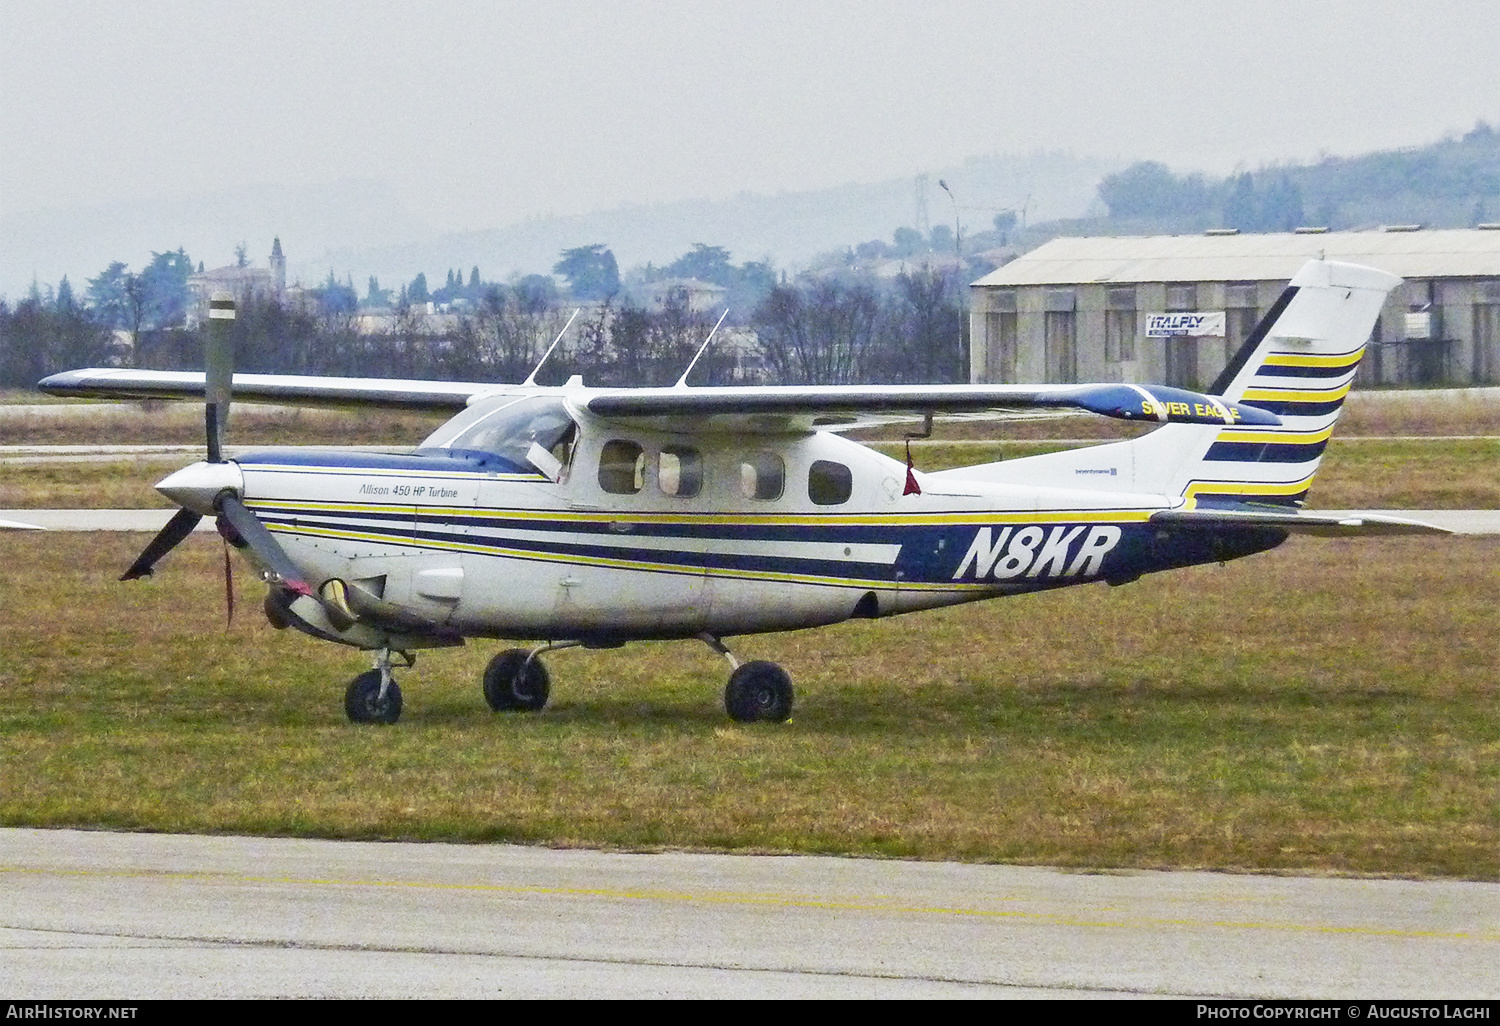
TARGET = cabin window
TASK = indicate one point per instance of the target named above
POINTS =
(622, 467)
(679, 471)
(509, 429)
(762, 476)
(829, 483)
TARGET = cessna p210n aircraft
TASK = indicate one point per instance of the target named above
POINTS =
(571, 515)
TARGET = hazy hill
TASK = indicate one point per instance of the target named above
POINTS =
(1453, 183)
(788, 227)
(81, 242)
(362, 228)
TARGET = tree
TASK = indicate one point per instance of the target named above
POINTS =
(165, 283)
(1148, 189)
(65, 303)
(375, 296)
(106, 295)
(416, 292)
(1281, 208)
(922, 340)
(591, 271)
(706, 263)
(822, 334)
(908, 242)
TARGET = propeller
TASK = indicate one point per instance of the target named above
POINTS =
(214, 486)
(179, 527)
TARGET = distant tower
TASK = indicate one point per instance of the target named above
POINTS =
(278, 270)
(923, 224)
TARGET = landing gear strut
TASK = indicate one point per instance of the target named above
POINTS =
(516, 680)
(374, 696)
(757, 690)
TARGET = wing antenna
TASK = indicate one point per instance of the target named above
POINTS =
(531, 378)
(682, 381)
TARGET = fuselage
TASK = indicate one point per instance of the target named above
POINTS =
(613, 532)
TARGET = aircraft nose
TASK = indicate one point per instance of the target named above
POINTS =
(196, 487)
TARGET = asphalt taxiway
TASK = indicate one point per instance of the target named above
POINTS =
(95, 914)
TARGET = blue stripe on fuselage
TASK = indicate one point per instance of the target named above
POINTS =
(431, 461)
(928, 554)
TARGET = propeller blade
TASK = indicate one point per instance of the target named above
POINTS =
(218, 368)
(179, 527)
(214, 429)
(262, 543)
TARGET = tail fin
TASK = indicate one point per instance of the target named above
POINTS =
(1297, 363)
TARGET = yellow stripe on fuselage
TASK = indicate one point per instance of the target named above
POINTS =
(624, 564)
(288, 507)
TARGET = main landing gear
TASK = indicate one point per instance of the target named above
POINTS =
(757, 690)
(516, 681)
(374, 696)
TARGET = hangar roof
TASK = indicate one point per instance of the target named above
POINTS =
(1445, 253)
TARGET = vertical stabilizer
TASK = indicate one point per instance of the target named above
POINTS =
(1298, 364)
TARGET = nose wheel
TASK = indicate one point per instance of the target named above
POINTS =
(364, 703)
(374, 696)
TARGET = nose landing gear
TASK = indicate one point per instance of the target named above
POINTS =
(374, 696)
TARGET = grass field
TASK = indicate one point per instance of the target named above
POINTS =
(162, 423)
(1329, 706)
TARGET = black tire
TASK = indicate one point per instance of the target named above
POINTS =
(759, 690)
(363, 705)
(510, 688)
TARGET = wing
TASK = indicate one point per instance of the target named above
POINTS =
(283, 389)
(769, 409)
(1332, 525)
(755, 409)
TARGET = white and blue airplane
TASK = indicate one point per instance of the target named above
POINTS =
(566, 516)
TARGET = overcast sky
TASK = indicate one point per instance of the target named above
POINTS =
(484, 113)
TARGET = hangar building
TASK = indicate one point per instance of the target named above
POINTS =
(1081, 309)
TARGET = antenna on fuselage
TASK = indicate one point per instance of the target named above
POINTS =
(682, 381)
(531, 378)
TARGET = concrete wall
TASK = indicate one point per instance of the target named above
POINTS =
(1455, 359)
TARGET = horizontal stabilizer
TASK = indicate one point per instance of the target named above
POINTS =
(1326, 524)
(18, 526)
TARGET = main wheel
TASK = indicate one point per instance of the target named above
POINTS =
(363, 704)
(512, 683)
(759, 691)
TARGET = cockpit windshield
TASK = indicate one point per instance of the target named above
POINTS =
(508, 427)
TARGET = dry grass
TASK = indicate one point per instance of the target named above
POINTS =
(1355, 473)
(1445, 412)
(123, 484)
(182, 424)
(1328, 706)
